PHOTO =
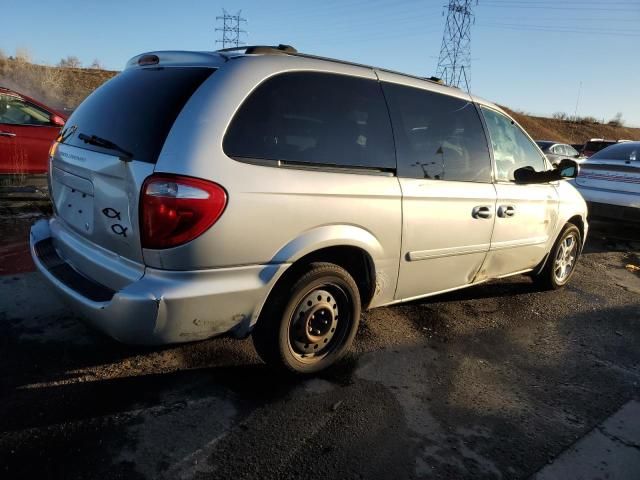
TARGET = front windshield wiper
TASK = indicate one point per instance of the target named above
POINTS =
(125, 155)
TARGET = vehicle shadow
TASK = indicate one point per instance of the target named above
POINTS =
(216, 367)
(45, 382)
(477, 392)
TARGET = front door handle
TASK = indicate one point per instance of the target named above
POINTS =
(506, 211)
(7, 134)
(481, 212)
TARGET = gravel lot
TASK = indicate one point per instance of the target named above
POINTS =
(495, 381)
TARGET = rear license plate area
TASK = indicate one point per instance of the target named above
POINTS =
(75, 208)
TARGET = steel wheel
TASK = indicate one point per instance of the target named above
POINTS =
(319, 323)
(310, 319)
(565, 258)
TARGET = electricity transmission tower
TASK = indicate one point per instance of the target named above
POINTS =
(230, 29)
(454, 62)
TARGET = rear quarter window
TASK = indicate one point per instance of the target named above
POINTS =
(314, 118)
(136, 109)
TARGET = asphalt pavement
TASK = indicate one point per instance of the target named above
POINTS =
(495, 381)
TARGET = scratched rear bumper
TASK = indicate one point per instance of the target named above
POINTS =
(163, 306)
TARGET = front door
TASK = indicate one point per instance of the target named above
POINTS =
(526, 215)
(26, 134)
(448, 200)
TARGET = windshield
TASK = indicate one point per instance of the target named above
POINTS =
(135, 110)
(620, 151)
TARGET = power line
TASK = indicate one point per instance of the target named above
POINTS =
(573, 20)
(560, 29)
(575, 7)
(344, 8)
(230, 29)
(371, 24)
(574, 3)
(454, 61)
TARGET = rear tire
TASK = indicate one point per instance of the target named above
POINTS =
(309, 322)
(562, 260)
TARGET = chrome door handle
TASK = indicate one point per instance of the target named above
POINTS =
(505, 211)
(481, 212)
(7, 134)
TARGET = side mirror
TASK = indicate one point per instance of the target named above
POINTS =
(526, 175)
(565, 168)
(568, 168)
(56, 120)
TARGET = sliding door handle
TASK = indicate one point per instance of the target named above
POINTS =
(506, 211)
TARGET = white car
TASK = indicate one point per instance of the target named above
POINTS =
(610, 182)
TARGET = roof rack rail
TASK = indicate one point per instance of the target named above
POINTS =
(435, 79)
(264, 49)
(289, 50)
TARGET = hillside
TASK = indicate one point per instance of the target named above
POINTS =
(61, 88)
(67, 87)
(542, 128)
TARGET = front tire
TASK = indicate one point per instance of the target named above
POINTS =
(308, 324)
(562, 259)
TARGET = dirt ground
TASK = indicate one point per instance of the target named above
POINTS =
(495, 381)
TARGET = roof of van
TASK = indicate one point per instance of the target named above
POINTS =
(219, 57)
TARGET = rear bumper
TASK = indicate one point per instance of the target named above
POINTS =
(162, 306)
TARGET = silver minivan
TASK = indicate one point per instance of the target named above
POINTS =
(262, 191)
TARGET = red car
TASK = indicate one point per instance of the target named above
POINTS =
(27, 130)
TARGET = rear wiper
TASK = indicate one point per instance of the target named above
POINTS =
(125, 156)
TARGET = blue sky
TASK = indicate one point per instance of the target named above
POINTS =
(530, 55)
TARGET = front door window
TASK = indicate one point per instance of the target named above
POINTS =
(512, 148)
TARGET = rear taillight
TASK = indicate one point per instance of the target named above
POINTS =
(175, 210)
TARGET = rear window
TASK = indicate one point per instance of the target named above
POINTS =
(136, 109)
(620, 151)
